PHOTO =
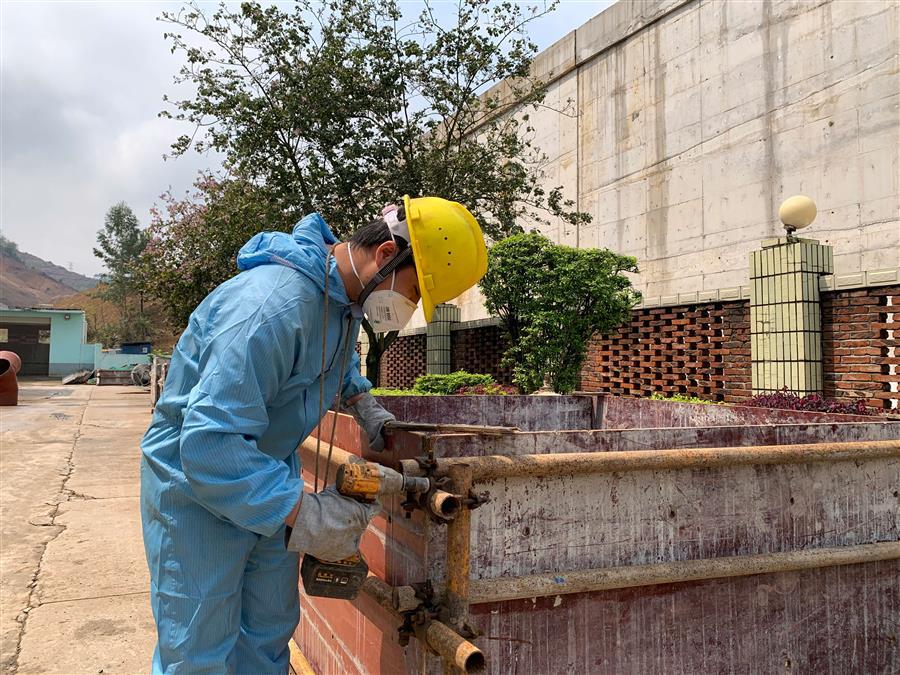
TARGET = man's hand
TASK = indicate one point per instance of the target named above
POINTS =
(369, 414)
(329, 525)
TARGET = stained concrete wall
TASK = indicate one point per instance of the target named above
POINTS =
(680, 126)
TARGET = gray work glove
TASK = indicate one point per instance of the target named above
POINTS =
(369, 414)
(329, 525)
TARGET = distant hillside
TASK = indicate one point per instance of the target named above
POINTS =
(73, 280)
(27, 281)
(97, 311)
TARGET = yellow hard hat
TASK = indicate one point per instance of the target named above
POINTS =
(448, 248)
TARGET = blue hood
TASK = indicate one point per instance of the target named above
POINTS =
(303, 250)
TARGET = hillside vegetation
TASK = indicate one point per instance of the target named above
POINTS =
(28, 281)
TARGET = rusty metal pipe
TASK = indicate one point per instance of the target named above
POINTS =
(500, 466)
(338, 456)
(478, 429)
(380, 591)
(454, 649)
(444, 505)
(609, 578)
(458, 551)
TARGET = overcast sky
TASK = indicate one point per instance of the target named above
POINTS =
(80, 88)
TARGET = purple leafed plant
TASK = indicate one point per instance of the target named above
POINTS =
(787, 400)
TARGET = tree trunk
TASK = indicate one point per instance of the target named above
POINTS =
(378, 345)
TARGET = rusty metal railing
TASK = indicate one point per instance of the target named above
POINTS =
(632, 576)
(492, 467)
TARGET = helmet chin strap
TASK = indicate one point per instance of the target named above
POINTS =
(389, 267)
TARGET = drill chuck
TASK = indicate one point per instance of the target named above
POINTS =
(417, 484)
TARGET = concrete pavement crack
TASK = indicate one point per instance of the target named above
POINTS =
(63, 496)
(96, 597)
(72, 495)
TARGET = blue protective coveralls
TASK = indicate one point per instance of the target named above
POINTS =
(219, 472)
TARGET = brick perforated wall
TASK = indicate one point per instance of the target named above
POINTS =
(479, 350)
(698, 350)
(476, 350)
(403, 362)
(701, 350)
(860, 335)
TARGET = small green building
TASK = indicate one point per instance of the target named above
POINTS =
(53, 342)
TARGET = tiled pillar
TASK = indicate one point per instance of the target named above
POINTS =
(785, 314)
(438, 349)
(363, 352)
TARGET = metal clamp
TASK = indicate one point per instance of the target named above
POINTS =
(474, 500)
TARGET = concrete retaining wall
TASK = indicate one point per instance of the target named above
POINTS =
(830, 619)
(591, 411)
(681, 125)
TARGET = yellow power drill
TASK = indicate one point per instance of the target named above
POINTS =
(364, 482)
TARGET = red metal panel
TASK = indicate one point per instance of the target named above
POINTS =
(534, 526)
(525, 412)
(340, 637)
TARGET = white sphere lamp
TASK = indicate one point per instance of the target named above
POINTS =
(797, 212)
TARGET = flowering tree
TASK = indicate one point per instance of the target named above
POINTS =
(194, 240)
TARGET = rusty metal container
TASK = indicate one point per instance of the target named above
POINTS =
(10, 365)
(628, 535)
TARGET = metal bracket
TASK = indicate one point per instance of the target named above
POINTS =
(474, 500)
(442, 487)
(464, 628)
(428, 464)
(415, 620)
(424, 501)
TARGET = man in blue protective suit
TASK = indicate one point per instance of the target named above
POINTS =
(262, 358)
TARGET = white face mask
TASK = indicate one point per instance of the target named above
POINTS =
(385, 310)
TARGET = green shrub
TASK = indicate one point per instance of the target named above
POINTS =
(681, 398)
(489, 390)
(551, 300)
(394, 392)
(447, 385)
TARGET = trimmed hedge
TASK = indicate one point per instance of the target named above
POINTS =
(447, 385)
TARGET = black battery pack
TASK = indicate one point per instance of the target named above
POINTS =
(341, 579)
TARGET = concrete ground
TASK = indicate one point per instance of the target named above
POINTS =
(73, 578)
